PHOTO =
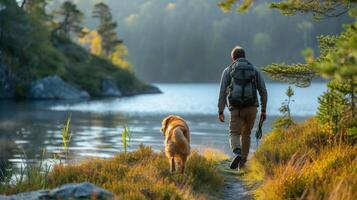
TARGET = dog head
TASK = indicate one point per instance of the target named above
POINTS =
(165, 123)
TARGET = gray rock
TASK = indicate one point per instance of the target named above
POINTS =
(36, 195)
(68, 191)
(110, 89)
(80, 191)
(53, 87)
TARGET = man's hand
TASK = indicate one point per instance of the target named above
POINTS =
(221, 117)
(263, 116)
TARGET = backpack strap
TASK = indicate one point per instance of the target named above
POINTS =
(231, 68)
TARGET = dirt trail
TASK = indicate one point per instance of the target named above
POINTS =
(233, 188)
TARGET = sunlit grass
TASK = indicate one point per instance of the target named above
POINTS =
(142, 174)
(214, 154)
(300, 163)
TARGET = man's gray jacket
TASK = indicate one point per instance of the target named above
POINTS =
(226, 80)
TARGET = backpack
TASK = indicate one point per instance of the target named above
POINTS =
(242, 91)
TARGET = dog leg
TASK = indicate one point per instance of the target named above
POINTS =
(183, 164)
(173, 164)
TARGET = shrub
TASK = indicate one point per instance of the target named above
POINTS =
(300, 163)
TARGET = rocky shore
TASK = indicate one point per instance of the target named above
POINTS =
(54, 87)
(68, 191)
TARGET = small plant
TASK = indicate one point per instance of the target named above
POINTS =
(66, 136)
(286, 120)
(29, 176)
(126, 138)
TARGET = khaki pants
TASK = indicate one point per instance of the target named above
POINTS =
(240, 127)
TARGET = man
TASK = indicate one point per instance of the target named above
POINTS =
(239, 85)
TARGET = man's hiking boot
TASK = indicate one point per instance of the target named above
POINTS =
(242, 164)
(237, 158)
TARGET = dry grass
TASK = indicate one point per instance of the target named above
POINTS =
(300, 163)
(142, 174)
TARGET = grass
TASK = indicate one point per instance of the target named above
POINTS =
(302, 163)
(141, 174)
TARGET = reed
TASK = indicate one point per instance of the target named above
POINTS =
(126, 138)
(66, 135)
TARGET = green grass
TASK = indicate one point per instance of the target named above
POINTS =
(302, 162)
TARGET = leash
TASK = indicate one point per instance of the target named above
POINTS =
(259, 132)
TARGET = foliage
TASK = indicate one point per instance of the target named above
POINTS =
(107, 28)
(299, 163)
(72, 19)
(37, 8)
(227, 5)
(299, 74)
(30, 52)
(286, 120)
(118, 57)
(320, 8)
(337, 62)
(93, 40)
(332, 107)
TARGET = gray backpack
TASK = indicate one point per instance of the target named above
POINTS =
(242, 91)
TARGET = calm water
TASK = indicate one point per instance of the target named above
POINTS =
(28, 127)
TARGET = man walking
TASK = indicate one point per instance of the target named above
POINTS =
(239, 85)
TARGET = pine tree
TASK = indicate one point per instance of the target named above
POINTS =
(286, 120)
(106, 28)
(319, 8)
(332, 107)
(71, 20)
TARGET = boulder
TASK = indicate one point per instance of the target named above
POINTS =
(68, 191)
(152, 90)
(109, 88)
(53, 87)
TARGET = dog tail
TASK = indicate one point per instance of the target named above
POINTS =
(180, 139)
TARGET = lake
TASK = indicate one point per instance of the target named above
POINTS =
(26, 128)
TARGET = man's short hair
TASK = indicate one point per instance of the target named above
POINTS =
(237, 52)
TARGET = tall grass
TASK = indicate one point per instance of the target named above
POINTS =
(301, 163)
(30, 176)
(126, 138)
(66, 135)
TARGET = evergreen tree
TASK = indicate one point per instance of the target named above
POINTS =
(37, 9)
(71, 20)
(332, 108)
(286, 120)
(106, 28)
(319, 8)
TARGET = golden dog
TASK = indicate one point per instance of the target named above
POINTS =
(177, 141)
